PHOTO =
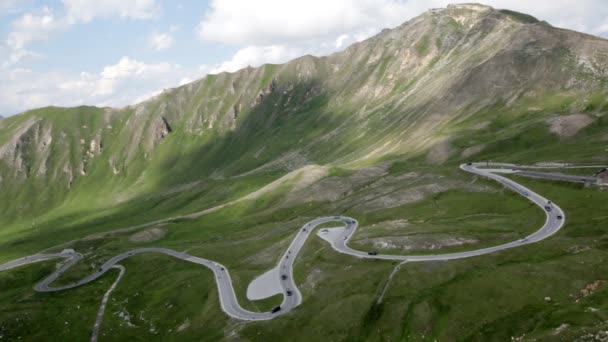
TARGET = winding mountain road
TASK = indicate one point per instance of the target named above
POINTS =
(338, 239)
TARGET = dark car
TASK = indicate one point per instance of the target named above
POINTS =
(101, 269)
(304, 229)
(559, 217)
(469, 164)
(283, 276)
(547, 208)
(289, 293)
(276, 309)
(372, 253)
(223, 269)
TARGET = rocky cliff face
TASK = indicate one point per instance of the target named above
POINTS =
(403, 92)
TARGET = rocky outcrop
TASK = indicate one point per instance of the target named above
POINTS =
(161, 130)
(267, 90)
(236, 109)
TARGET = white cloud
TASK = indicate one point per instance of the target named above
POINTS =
(271, 22)
(13, 6)
(257, 55)
(160, 41)
(341, 39)
(267, 22)
(125, 82)
(129, 69)
(29, 28)
(87, 10)
(38, 26)
(275, 31)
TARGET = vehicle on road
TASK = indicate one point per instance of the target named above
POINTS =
(344, 238)
(372, 253)
(547, 208)
(469, 164)
(523, 239)
(304, 229)
(223, 269)
(275, 309)
(324, 231)
(525, 193)
(559, 217)
(283, 276)
(289, 293)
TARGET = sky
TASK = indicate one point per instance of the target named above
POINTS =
(121, 52)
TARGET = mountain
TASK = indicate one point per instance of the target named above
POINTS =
(420, 87)
(398, 93)
(229, 166)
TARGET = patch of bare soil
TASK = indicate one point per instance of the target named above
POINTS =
(473, 150)
(148, 235)
(387, 197)
(567, 126)
(589, 289)
(402, 196)
(302, 178)
(333, 188)
(481, 125)
(290, 161)
(407, 243)
(440, 153)
(314, 277)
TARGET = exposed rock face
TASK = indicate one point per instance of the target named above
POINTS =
(148, 235)
(236, 109)
(567, 126)
(162, 129)
(440, 153)
(471, 151)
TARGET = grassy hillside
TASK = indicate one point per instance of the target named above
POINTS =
(375, 132)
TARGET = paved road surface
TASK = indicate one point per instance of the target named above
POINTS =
(291, 294)
(557, 176)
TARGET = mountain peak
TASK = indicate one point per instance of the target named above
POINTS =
(471, 6)
(461, 12)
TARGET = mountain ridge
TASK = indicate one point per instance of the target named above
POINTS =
(407, 92)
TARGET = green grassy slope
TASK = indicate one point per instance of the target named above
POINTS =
(389, 120)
